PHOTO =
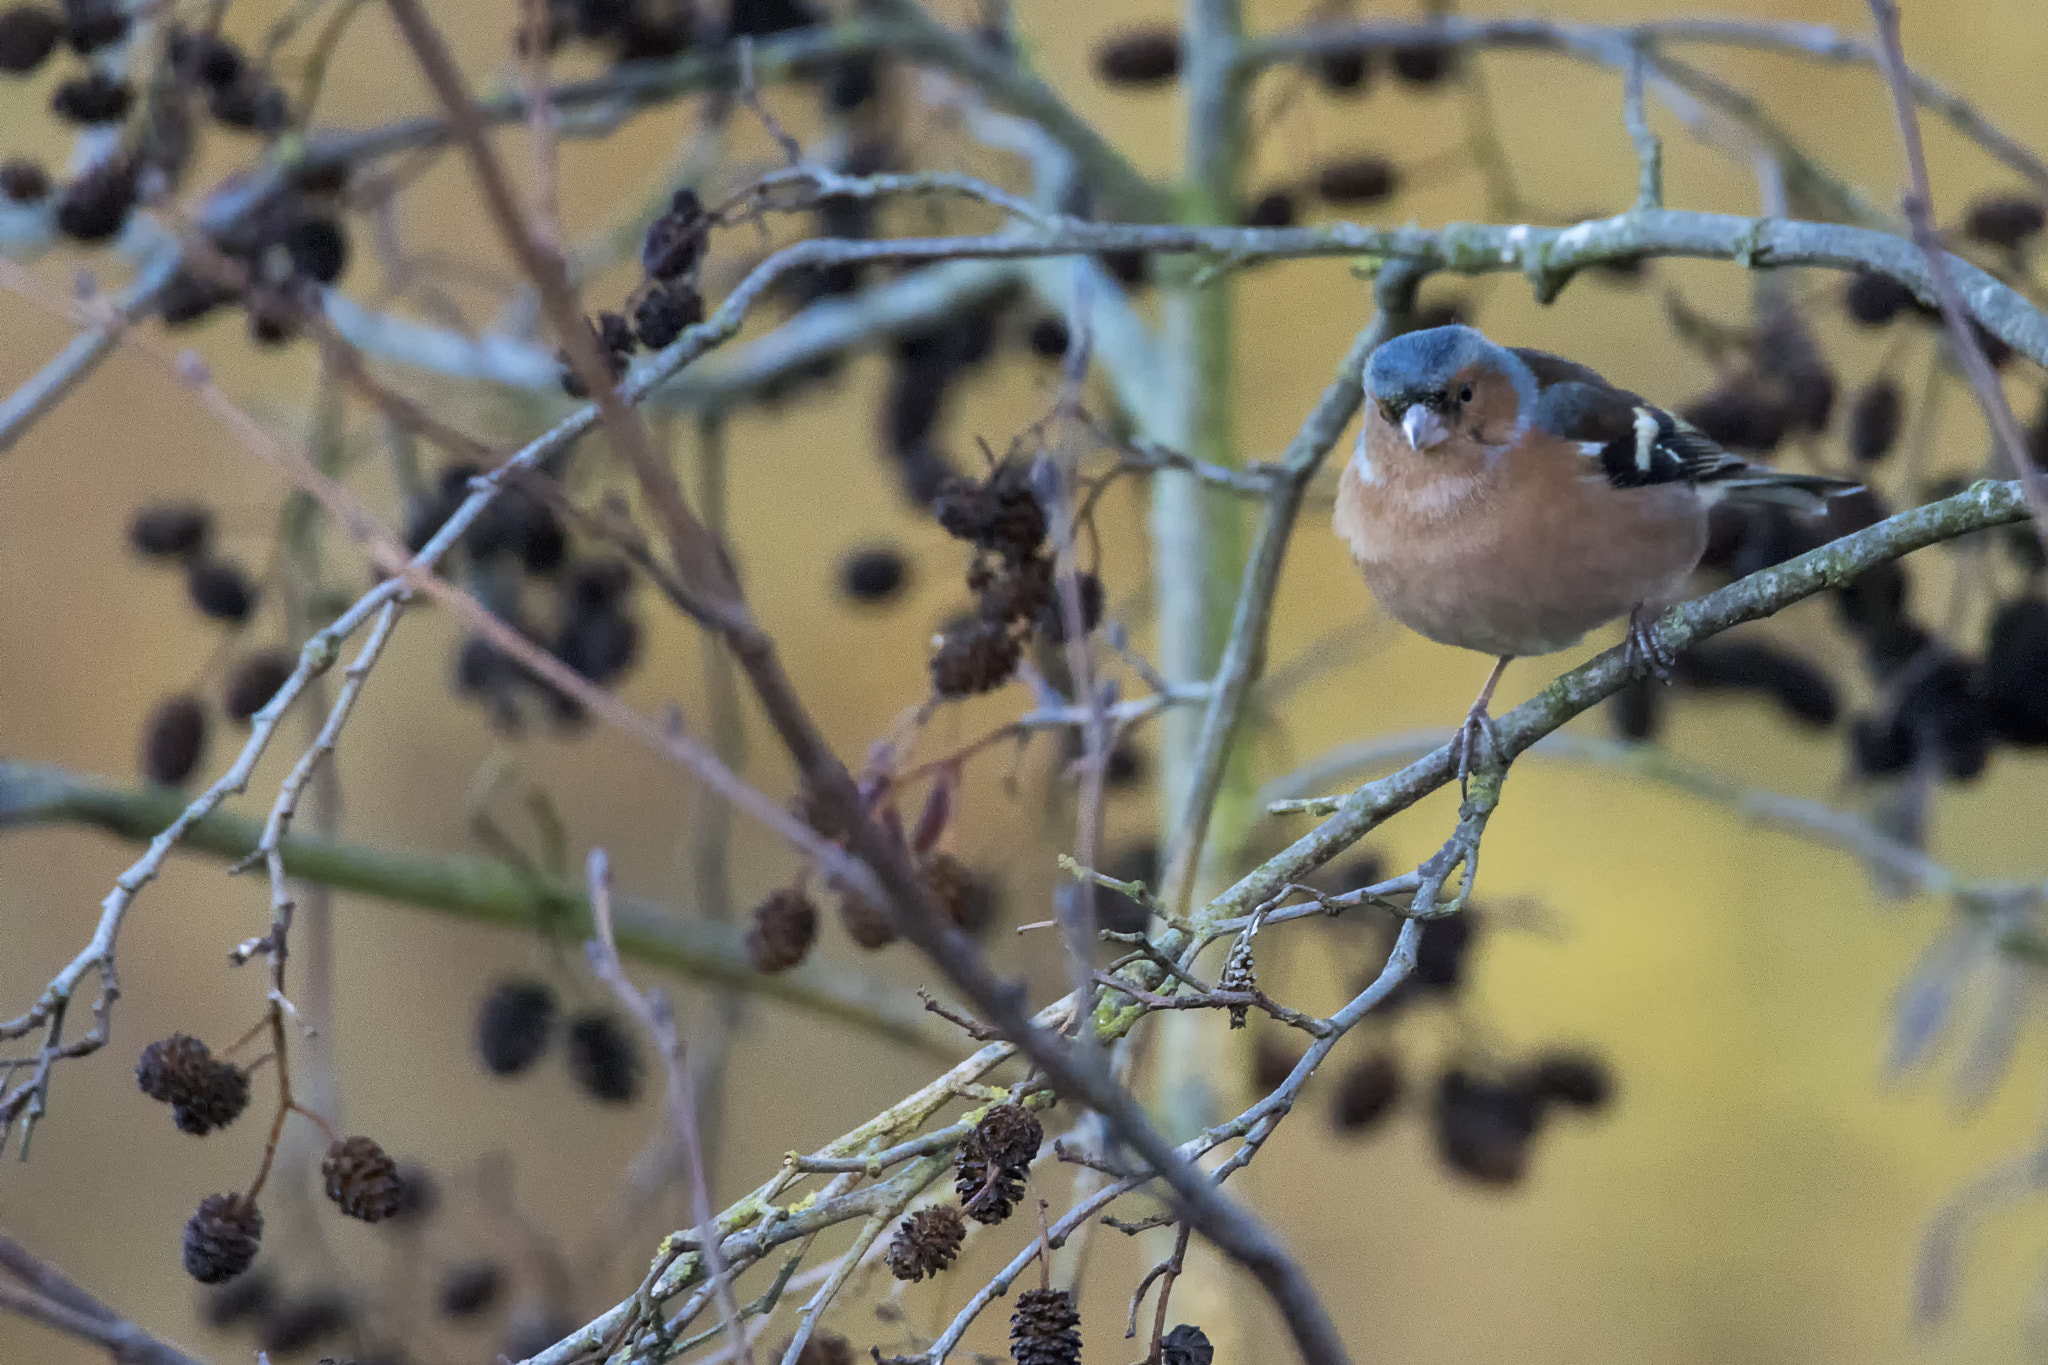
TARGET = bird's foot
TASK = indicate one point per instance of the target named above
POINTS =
(1644, 652)
(1476, 733)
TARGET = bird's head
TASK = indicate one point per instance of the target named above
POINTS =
(1433, 383)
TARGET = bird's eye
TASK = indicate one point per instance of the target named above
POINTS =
(1465, 394)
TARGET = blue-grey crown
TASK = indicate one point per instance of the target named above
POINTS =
(1418, 362)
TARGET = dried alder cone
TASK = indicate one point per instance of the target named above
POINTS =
(994, 1161)
(1045, 1329)
(926, 1242)
(222, 1238)
(203, 1094)
(1240, 976)
(784, 928)
(362, 1179)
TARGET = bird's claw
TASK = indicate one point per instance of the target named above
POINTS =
(1477, 731)
(1644, 652)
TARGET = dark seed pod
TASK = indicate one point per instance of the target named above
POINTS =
(1009, 1135)
(255, 681)
(1186, 1344)
(1741, 415)
(1789, 358)
(1273, 209)
(1045, 1329)
(362, 1179)
(1880, 747)
(206, 57)
(615, 334)
(1138, 57)
(1049, 336)
(1441, 950)
(93, 207)
(599, 584)
(172, 1069)
(1423, 63)
(170, 530)
(2016, 672)
(987, 1192)
(874, 575)
(1344, 72)
(204, 1094)
(784, 928)
(603, 1058)
(926, 1242)
(23, 180)
(1803, 691)
(664, 312)
(1052, 617)
(299, 1324)
(2005, 220)
(1366, 1094)
(517, 523)
(221, 589)
(599, 645)
(1240, 976)
(318, 247)
(240, 1301)
(1873, 299)
(761, 18)
(1008, 593)
(471, 1288)
(864, 921)
(1127, 766)
(1273, 1061)
(1131, 269)
(90, 25)
(1483, 1127)
(28, 35)
(418, 1197)
(249, 104)
(1945, 707)
(222, 1238)
(676, 240)
(1996, 349)
(824, 1348)
(949, 883)
(1577, 1080)
(92, 98)
(1874, 421)
(999, 513)
(513, 1025)
(977, 657)
(1364, 179)
(187, 297)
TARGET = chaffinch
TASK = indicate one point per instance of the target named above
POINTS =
(1509, 501)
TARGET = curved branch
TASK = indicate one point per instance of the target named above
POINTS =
(1984, 505)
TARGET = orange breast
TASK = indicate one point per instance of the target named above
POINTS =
(1515, 553)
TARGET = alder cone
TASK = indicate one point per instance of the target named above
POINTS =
(926, 1242)
(1045, 1329)
(222, 1238)
(362, 1179)
(784, 928)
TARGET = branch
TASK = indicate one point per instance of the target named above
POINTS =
(34, 1289)
(1984, 505)
(1954, 312)
(484, 890)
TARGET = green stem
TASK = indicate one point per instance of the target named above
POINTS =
(481, 889)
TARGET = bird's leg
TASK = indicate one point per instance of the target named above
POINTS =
(1478, 725)
(1643, 650)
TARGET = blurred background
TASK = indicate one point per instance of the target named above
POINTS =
(1760, 1185)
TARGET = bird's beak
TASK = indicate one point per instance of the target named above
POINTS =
(1423, 426)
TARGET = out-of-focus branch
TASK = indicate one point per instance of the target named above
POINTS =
(1610, 46)
(483, 890)
(32, 1288)
(1955, 313)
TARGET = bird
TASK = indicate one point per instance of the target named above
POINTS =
(1508, 501)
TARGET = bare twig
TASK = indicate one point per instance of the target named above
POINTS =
(658, 1017)
(1955, 313)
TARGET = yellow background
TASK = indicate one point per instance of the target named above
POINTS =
(1759, 1192)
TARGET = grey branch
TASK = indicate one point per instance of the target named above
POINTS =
(32, 1288)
